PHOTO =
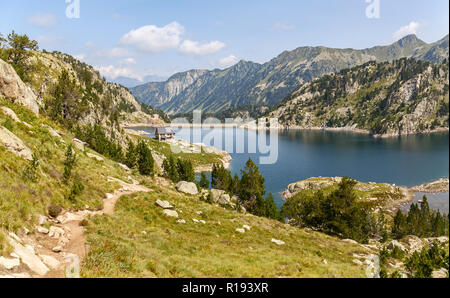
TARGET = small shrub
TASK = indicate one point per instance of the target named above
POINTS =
(54, 210)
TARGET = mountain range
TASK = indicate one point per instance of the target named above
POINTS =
(248, 83)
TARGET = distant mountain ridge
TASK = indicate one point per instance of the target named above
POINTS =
(248, 83)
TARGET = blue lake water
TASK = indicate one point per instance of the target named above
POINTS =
(405, 161)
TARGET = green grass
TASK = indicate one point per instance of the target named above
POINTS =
(120, 248)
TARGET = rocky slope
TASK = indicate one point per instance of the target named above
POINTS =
(248, 83)
(402, 97)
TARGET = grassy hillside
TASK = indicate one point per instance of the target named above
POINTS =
(21, 198)
(140, 241)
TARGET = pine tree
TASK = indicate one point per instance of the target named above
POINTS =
(251, 186)
(69, 163)
(204, 182)
(132, 155)
(145, 159)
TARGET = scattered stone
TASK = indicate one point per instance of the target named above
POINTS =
(170, 213)
(41, 219)
(278, 242)
(246, 227)
(414, 244)
(96, 157)
(195, 220)
(25, 231)
(242, 231)
(56, 232)
(57, 248)
(14, 145)
(9, 263)
(325, 261)
(28, 257)
(187, 187)
(109, 196)
(181, 221)
(203, 222)
(351, 241)
(164, 204)
(199, 213)
(42, 230)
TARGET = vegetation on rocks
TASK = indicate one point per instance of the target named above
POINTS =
(401, 97)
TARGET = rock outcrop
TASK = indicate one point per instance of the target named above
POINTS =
(15, 145)
(15, 90)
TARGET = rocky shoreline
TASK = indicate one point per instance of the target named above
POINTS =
(402, 195)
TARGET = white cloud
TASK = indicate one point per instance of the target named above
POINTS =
(228, 61)
(113, 72)
(283, 27)
(43, 21)
(189, 47)
(128, 61)
(154, 39)
(116, 53)
(406, 30)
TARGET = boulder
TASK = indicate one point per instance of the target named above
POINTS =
(242, 231)
(15, 145)
(124, 167)
(164, 204)
(187, 187)
(414, 243)
(220, 197)
(170, 213)
(9, 263)
(15, 90)
(357, 262)
(181, 221)
(247, 227)
(28, 257)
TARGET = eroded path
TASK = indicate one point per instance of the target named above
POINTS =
(48, 252)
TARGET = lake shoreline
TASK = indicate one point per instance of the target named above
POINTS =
(284, 128)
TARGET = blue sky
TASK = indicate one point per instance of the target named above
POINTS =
(141, 38)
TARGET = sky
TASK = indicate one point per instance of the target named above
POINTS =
(146, 40)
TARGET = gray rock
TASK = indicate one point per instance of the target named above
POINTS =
(50, 261)
(164, 204)
(42, 230)
(29, 257)
(14, 89)
(9, 263)
(187, 187)
(15, 145)
(220, 197)
(10, 113)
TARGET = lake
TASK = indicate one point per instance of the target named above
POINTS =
(406, 161)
